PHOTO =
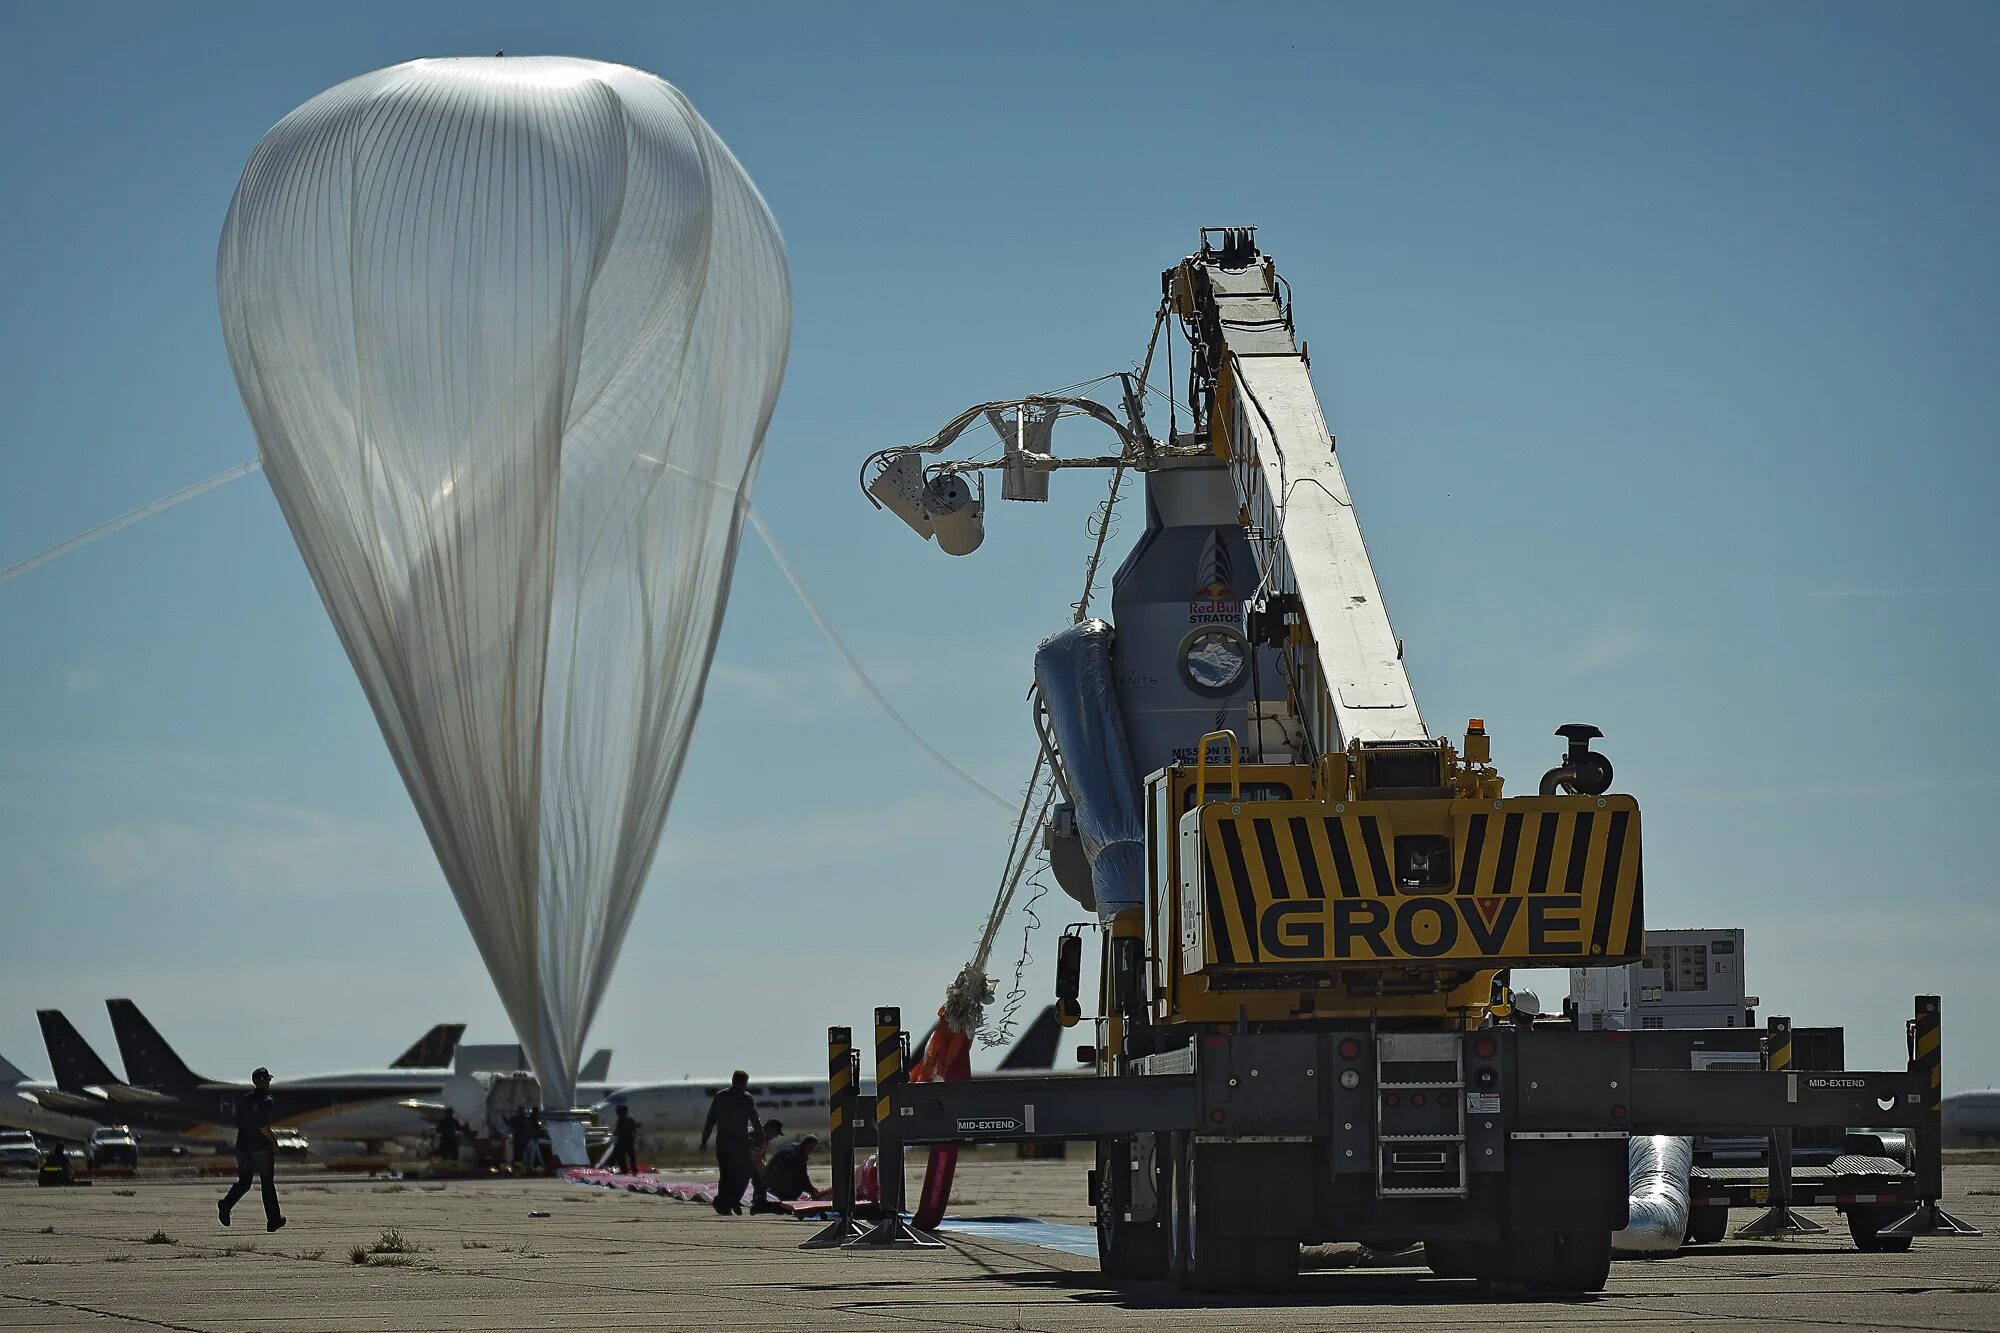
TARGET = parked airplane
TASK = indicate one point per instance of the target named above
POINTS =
(415, 1116)
(87, 1087)
(1971, 1119)
(467, 1092)
(21, 1107)
(370, 1106)
(671, 1115)
(357, 1104)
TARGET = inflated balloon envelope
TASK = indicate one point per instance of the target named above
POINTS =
(509, 331)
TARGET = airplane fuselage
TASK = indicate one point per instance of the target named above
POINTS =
(1971, 1119)
(671, 1114)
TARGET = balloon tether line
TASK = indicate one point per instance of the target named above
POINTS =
(128, 518)
(847, 658)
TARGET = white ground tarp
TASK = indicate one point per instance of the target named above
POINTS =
(510, 331)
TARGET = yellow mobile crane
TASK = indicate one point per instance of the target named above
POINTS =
(1307, 902)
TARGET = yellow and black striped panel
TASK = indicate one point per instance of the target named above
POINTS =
(1928, 1055)
(1778, 1043)
(1550, 880)
(839, 1079)
(888, 1058)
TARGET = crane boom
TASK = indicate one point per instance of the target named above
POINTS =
(1343, 662)
(1249, 790)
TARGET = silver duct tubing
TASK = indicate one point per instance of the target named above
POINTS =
(1658, 1166)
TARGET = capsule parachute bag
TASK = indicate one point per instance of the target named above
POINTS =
(948, 1059)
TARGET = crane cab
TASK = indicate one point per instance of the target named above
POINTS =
(1371, 884)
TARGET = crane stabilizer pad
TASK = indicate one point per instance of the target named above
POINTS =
(1530, 881)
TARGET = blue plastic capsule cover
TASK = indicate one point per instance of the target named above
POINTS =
(1074, 671)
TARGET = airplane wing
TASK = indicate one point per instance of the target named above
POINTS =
(126, 1095)
(69, 1103)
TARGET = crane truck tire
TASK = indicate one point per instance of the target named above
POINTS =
(1574, 1261)
(1202, 1258)
(1451, 1259)
(1707, 1224)
(1865, 1225)
(1581, 1263)
(1127, 1251)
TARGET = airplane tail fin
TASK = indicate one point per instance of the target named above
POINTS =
(597, 1069)
(1036, 1048)
(75, 1064)
(433, 1050)
(149, 1061)
(9, 1073)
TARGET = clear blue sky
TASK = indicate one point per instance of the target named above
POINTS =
(1660, 343)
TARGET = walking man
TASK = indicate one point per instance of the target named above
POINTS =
(625, 1143)
(739, 1135)
(256, 1150)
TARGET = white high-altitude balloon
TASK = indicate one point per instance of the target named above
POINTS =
(510, 331)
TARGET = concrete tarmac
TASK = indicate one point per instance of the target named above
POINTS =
(150, 1254)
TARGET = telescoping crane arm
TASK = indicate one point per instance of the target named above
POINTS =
(1358, 860)
(1320, 601)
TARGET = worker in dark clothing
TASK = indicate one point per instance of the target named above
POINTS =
(733, 1123)
(55, 1168)
(256, 1151)
(538, 1140)
(773, 1133)
(625, 1143)
(518, 1130)
(448, 1132)
(786, 1174)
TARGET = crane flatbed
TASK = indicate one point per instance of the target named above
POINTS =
(1848, 1180)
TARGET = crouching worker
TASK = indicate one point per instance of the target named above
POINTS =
(786, 1175)
(55, 1168)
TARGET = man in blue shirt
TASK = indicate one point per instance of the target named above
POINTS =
(785, 1175)
(256, 1149)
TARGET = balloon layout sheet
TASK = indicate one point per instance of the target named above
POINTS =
(509, 332)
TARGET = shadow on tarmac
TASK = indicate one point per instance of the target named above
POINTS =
(1405, 1288)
